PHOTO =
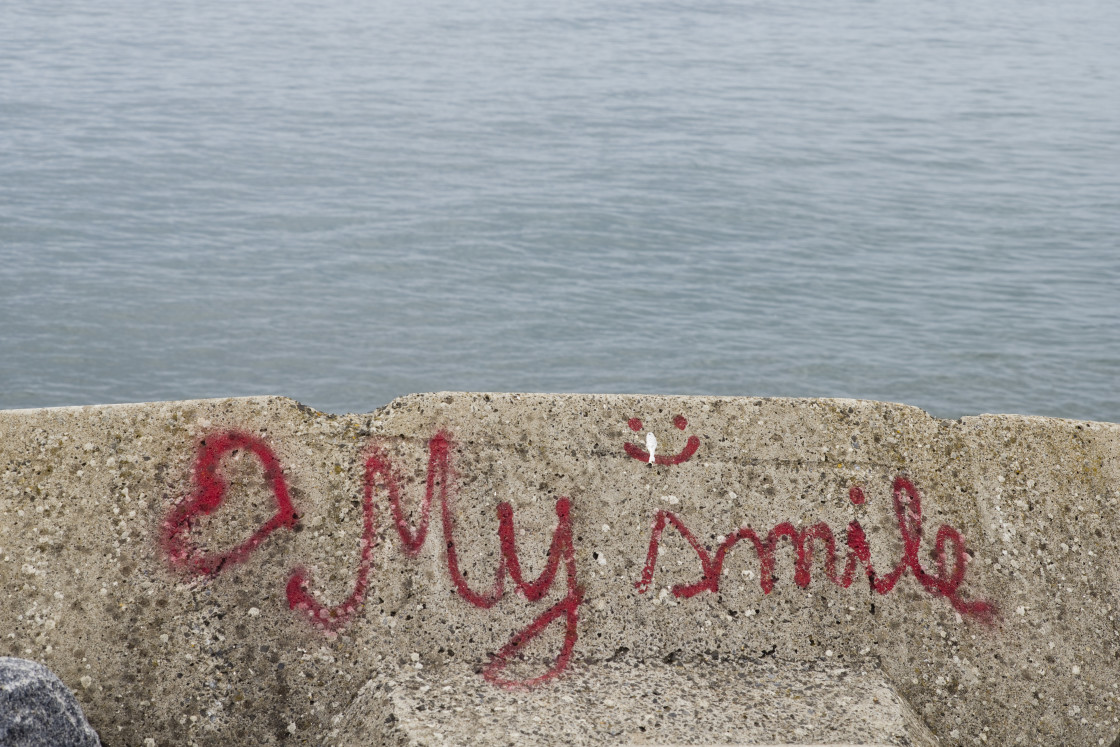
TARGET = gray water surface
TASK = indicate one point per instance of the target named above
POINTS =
(344, 202)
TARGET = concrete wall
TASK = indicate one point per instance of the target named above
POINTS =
(217, 570)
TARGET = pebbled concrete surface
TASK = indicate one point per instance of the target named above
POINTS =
(159, 645)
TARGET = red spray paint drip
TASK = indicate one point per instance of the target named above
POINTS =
(332, 619)
(908, 512)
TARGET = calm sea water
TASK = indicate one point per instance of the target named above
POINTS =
(344, 202)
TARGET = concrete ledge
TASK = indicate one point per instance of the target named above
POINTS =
(630, 702)
(221, 571)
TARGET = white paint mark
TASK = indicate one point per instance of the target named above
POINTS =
(651, 446)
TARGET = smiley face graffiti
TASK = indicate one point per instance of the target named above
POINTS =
(650, 455)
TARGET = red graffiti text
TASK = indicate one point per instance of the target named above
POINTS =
(210, 492)
(441, 479)
(944, 582)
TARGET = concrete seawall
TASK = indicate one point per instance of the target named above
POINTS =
(250, 570)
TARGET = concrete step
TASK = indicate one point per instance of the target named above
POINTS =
(626, 702)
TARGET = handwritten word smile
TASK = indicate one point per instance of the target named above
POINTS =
(908, 512)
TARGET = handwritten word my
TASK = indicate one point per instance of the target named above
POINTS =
(441, 476)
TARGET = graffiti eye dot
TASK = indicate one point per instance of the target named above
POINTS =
(635, 424)
(680, 422)
(855, 495)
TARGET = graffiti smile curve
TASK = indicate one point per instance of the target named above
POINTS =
(650, 455)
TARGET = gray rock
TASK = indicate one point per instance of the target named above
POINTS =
(37, 709)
